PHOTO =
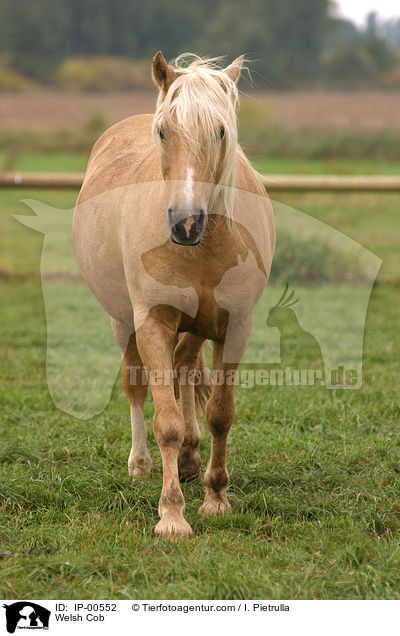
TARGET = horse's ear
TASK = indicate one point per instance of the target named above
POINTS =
(163, 73)
(233, 70)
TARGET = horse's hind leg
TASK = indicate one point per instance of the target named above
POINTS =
(155, 340)
(135, 385)
(187, 357)
(219, 414)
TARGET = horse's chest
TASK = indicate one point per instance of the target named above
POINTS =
(210, 320)
(231, 298)
(209, 291)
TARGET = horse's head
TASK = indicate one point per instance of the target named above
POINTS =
(195, 130)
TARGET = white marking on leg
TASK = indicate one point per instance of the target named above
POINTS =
(139, 462)
(188, 188)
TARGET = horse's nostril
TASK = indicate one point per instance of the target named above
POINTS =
(199, 218)
(186, 226)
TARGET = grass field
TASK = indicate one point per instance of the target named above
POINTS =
(361, 109)
(76, 162)
(315, 474)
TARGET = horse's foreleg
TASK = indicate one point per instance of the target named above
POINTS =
(135, 385)
(219, 414)
(155, 340)
(186, 359)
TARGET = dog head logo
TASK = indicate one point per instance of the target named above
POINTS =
(26, 615)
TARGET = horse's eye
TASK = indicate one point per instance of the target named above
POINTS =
(222, 132)
(160, 133)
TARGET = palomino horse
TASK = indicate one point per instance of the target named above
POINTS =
(174, 234)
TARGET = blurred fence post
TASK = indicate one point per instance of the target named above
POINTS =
(272, 183)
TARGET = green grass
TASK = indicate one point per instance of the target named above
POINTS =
(76, 161)
(315, 474)
(43, 162)
(275, 165)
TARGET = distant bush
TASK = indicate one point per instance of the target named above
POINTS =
(350, 67)
(307, 260)
(275, 140)
(11, 80)
(362, 63)
(254, 114)
(391, 79)
(95, 122)
(103, 74)
(68, 139)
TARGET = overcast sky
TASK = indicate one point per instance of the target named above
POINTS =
(358, 9)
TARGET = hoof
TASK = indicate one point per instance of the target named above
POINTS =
(189, 467)
(168, 528)
(215, 506)
(140, 467)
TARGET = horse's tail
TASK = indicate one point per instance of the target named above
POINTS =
(202, 389)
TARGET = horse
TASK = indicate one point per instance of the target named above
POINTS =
(174, 234)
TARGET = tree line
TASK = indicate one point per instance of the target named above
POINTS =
(287, 41)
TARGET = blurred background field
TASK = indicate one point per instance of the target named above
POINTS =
(313, 125)
(319, 85)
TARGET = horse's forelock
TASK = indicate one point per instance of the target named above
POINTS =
(201, 99)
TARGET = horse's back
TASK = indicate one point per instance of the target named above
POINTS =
(123, 155)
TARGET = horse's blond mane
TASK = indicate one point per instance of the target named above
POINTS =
(201, 99)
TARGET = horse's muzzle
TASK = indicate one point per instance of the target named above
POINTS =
(187, 228)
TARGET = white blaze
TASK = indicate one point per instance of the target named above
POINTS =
(188, 188)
